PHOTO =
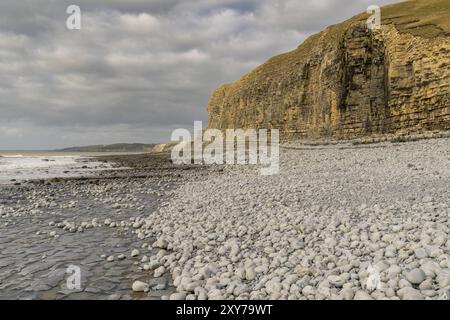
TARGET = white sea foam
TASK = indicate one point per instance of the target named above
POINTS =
(11, 156)
(24, 167)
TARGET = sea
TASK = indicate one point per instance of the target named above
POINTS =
(17, 166)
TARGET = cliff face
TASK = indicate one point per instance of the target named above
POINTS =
(348, 81)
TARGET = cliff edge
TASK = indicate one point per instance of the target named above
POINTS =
(348, 81)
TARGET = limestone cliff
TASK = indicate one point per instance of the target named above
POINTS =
(349, 81)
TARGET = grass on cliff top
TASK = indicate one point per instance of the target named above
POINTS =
(425, 18)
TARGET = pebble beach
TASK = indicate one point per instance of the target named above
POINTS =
(338, 222)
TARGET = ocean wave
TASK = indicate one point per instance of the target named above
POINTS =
(11, 156)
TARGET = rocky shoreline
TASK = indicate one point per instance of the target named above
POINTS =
(339, 221)
(90, 222)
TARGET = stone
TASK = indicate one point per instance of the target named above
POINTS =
(161, 286)
(393, 271)
(362, 295)
(273, 286)
(336, 281)
(139, 286)
(389, 292)
(409, 293)
(443, 278)
(239, 290)
(159, 272)
(202, 296)
(347, 294)
(135, 253)
(416, 276)
(137, 225)
(250, 274)
(178, 296)
(431, 269)
(382, 266)
(215, 295)
(308, 290)
(323, 291)
(444, 294)
(426, 285)
(421, 253)
(161, 244)
(404, 283)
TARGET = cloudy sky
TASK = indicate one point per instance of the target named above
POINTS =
(137, 69)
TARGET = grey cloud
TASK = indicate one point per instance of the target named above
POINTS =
(137, 69)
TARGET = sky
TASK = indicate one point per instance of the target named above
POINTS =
(136, 70)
